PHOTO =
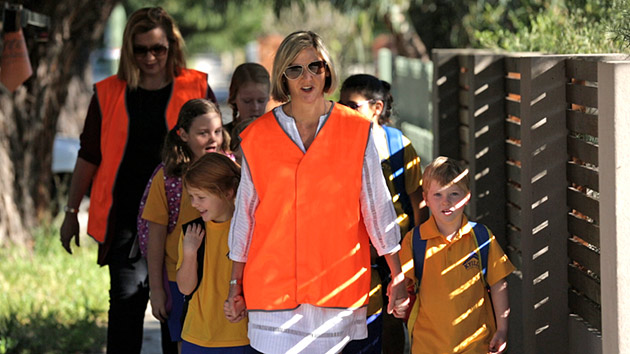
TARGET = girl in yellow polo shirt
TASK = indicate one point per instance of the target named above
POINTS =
(211, 183)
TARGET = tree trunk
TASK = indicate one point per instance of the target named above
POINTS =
(28, 117)
(408, 42)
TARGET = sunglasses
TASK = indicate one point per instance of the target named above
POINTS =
(356, 105)
(293, 72)
(157, 50)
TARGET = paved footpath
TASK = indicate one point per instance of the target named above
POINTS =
(151, 343)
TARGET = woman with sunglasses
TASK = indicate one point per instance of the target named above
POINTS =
(403, 174)
(311, 199)
(125, 127)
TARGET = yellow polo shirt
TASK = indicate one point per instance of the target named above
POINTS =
(455, 313)
(205, 323)
(156, 210)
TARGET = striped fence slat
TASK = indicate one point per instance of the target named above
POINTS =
(585, 284)
(583, 229)
(583, 123)
(583, 176)
(584, 256)
(582, 95)
(583, 150)
(586, 309)
(582, 70)
(583, 203)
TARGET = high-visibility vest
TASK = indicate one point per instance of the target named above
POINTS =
(110, 93)
(309, 244)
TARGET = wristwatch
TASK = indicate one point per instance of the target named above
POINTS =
(236, 282)
(70, 210)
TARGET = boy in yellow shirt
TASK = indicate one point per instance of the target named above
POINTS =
(453, 312)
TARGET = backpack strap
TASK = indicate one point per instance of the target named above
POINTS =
(397, 162)
(482, 241)
(419, 247)
(173, 189)
(141, 223)
(200, 256)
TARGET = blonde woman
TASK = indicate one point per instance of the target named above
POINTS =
(311, 199)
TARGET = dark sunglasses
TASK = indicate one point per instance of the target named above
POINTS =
(295, 71)
(356, 105)
(157, 50)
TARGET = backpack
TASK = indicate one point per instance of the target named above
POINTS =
(397, 162)
(173, 188)
(200, 256)
(419, 246)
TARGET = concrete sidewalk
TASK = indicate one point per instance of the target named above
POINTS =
(151, 341)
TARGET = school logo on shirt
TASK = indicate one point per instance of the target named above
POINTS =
(472, 262)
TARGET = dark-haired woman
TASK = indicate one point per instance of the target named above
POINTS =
(125, 126)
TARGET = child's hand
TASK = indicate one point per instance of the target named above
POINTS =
(192, 239)
(498, 342)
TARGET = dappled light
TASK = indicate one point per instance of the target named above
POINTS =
(333, 266)
(325, 327)
(342, 287)
(466, 342)
(477, 306)
(465, 286)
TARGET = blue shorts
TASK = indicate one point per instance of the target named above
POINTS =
(174, 317)
(373, 342)
(189, 348)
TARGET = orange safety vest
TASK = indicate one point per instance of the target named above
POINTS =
(309, 244)
(110, 93)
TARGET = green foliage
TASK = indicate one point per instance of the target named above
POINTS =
(571, 26)
(212, 25)
(50, 301)
(340, 31)
(621, 27)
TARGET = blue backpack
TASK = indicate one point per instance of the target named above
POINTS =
(397, 163)
(419, 246)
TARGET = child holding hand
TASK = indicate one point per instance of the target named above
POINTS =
(454, 312)
(211, 182)
(165, 206)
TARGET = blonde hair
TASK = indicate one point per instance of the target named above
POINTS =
(289, 49)
(446, 171)
(214, 173)
(244, 73)
(176, 153)
(142, 21)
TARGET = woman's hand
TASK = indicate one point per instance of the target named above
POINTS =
(398, 296)
(158, 304)
(69, 229)
(234, 307)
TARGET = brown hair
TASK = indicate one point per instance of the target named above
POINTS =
(289, 49)
(214, 173)
(446, 171)
(176, 154)
(244, 73)
(142, 21)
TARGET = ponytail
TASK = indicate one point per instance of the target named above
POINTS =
(176, 154)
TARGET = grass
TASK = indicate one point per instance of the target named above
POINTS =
(50, 301)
